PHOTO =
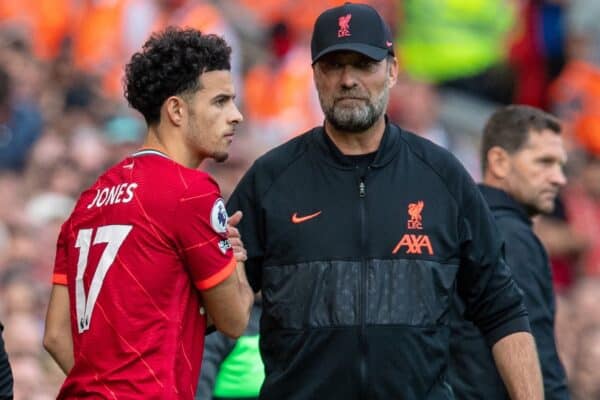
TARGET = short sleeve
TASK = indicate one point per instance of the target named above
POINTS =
(201, 231)
(59, 277)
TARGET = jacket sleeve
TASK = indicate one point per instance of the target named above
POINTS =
(530, 267)
(244, 198)
(493, 300)
(6, 380)
(216, 349)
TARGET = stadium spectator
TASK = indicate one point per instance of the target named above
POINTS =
(458, 44)
(582, 204)
(20, 126)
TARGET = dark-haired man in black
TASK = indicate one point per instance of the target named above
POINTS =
(522, 157)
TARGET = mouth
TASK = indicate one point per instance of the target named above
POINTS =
(550, 193)
(350, 98)
(229, 136)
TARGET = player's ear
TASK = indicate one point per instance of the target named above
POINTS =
(174, 109)
(498, 162)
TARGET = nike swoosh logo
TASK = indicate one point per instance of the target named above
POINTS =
(298, 220)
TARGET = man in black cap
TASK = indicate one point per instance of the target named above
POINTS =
(359, 233)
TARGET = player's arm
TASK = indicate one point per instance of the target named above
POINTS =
(239, 252)
(229, 303)
(57, 334)
(518, 364)
(208, 255)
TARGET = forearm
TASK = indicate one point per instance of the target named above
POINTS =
(246, 292)
(61, 350)
(230, 302)
(518, 364)
(57, 334)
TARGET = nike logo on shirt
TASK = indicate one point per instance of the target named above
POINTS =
(298, 220)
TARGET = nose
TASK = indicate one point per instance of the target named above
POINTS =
(347, 78)
(237, 116)
(558, 176)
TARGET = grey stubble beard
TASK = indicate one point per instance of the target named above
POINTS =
(355, 119)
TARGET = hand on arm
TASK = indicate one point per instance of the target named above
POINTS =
(58, 339)
(239, 251)
(518, 364)
(229, 303)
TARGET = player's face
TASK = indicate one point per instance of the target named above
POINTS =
(536, 171)
(213, 116)
(353, 89)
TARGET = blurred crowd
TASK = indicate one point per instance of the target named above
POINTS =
(63, 120)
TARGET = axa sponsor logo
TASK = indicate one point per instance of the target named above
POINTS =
(414, 243)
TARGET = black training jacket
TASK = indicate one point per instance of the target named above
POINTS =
(6, 380)
(473, 372)
(357, 272)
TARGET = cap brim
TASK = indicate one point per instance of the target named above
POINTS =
(376, 53)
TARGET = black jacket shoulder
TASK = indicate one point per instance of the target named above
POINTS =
(444, 164)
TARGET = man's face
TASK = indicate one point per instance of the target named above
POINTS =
(353, 89)
(213, 116)
(536, 171)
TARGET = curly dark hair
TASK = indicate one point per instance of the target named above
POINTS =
(169, 64)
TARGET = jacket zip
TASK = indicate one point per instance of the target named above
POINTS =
(362, 192)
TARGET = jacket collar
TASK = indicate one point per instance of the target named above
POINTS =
(498, 199)
(329, 152)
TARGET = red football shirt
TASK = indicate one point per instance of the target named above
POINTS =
(133, 253)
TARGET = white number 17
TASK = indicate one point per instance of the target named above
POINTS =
(114, 236)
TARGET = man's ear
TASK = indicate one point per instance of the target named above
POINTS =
(175, 109)
(392, 71)
(498, 162)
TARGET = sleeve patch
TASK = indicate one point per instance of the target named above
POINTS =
(218, 217)
(224, 245)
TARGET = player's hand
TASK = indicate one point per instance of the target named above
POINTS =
(239, 251)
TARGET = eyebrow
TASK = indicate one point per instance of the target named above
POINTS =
(223, 96)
